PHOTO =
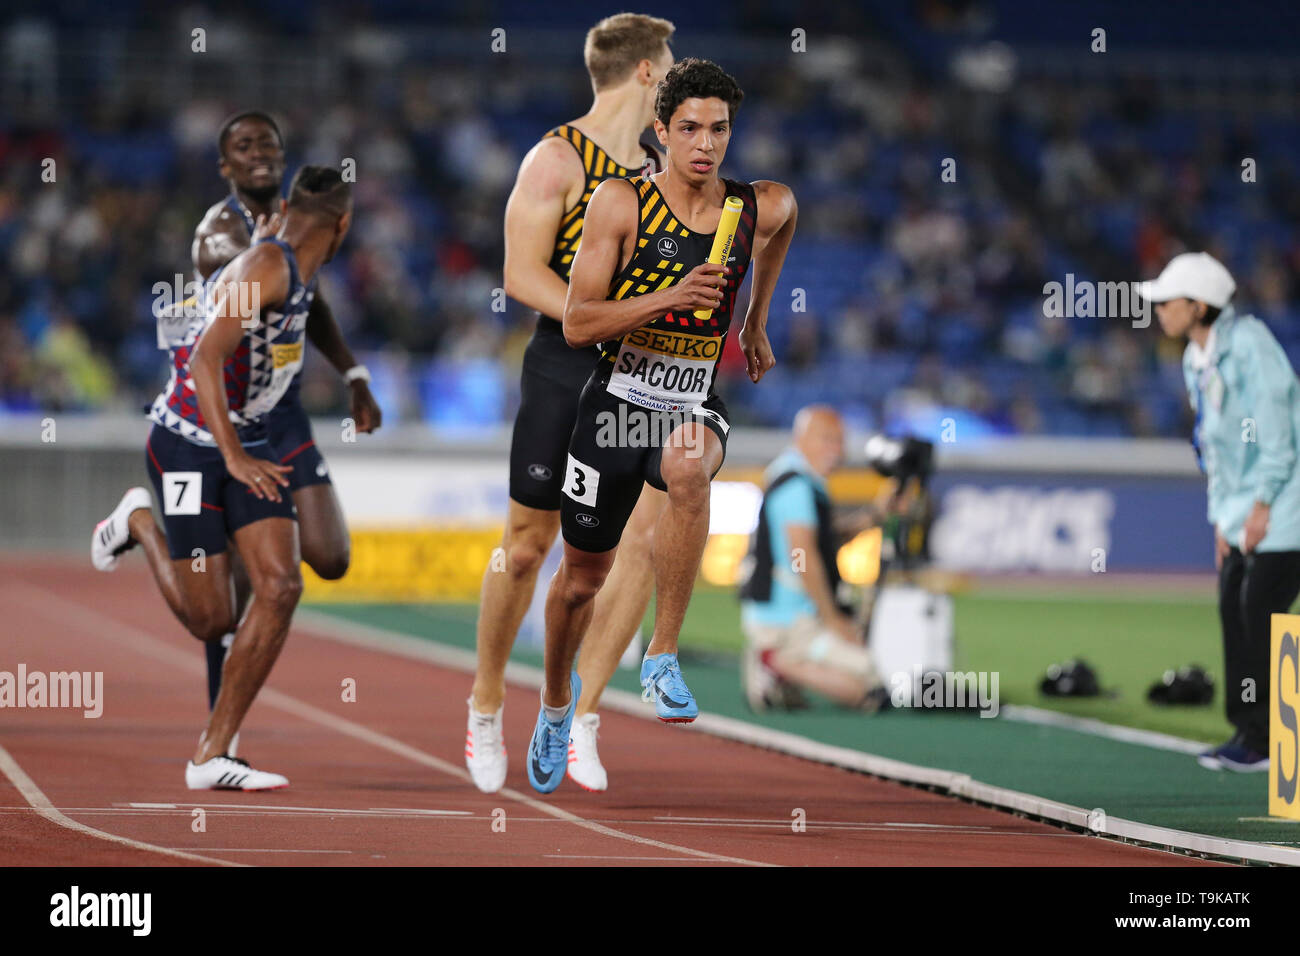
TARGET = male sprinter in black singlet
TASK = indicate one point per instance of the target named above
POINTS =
(626, 56)
(649, 412)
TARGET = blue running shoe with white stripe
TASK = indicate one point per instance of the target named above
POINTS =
(548, 751)
(662, 682)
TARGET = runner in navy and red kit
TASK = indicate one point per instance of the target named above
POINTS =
(251, 149)
(215, 470)
(251, 154)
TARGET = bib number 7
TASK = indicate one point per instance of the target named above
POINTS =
(182, 492)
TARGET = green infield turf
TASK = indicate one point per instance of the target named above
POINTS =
(1130, 641)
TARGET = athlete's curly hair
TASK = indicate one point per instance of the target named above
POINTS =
(694, 77)
(321, 191)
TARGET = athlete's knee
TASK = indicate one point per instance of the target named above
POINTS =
(578, 585)
(332, 564)
(525, 556)
(280, 589)
(529, 536)
(687, 480)
(527, 545)
(209, 624)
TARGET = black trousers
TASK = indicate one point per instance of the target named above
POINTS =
(1252, 588)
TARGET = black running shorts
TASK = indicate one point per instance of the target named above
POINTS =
(615, 448)
(202, 505)
(289, 431)
(552, 381)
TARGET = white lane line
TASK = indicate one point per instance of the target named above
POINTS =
(873, 827)
(254, 849)
(1099, 728)
(72, 612)
(280, 808)
(825, 823)
(33, 794)
(1266, 820)
(431, 813)
(152, 806)
(229, 811)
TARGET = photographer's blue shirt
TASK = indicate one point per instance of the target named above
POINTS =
(792, 503)
(1247, 405)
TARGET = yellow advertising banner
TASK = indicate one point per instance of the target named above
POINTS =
(1283, 705)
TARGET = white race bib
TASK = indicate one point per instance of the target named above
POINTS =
(581, 482)
(182, 492)
(179, 323)
(664, 371)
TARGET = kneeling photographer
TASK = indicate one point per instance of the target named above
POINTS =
(799, 632)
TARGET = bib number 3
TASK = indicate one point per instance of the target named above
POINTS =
(581, 482)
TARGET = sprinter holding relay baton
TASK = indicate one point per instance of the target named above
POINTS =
(649, 412)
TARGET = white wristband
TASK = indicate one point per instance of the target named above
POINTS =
(357, 373)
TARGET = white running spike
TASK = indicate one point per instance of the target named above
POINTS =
(485, 750)
(585, 768)
(230, 773)
(112, 536)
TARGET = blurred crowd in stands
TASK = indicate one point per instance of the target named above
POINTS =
(908, 296)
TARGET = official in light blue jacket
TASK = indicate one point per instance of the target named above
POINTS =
(1247, 440)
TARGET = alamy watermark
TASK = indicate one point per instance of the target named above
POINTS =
(631, 427)
(948, 690)
(74, 908)
(178, 301)
(1083, 299)
(81, 690)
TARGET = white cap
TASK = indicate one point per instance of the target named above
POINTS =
(1192, 275)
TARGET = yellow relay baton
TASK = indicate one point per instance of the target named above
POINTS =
(723, 238)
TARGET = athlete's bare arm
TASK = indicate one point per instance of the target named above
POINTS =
(777, 215)
(608, 236)
(261, 277)
(323, 331)
(221, 236)
(550, 182)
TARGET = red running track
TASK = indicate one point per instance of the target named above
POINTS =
(381, 781)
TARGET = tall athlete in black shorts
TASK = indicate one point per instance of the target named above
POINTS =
(649, 412)
(626, 56)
